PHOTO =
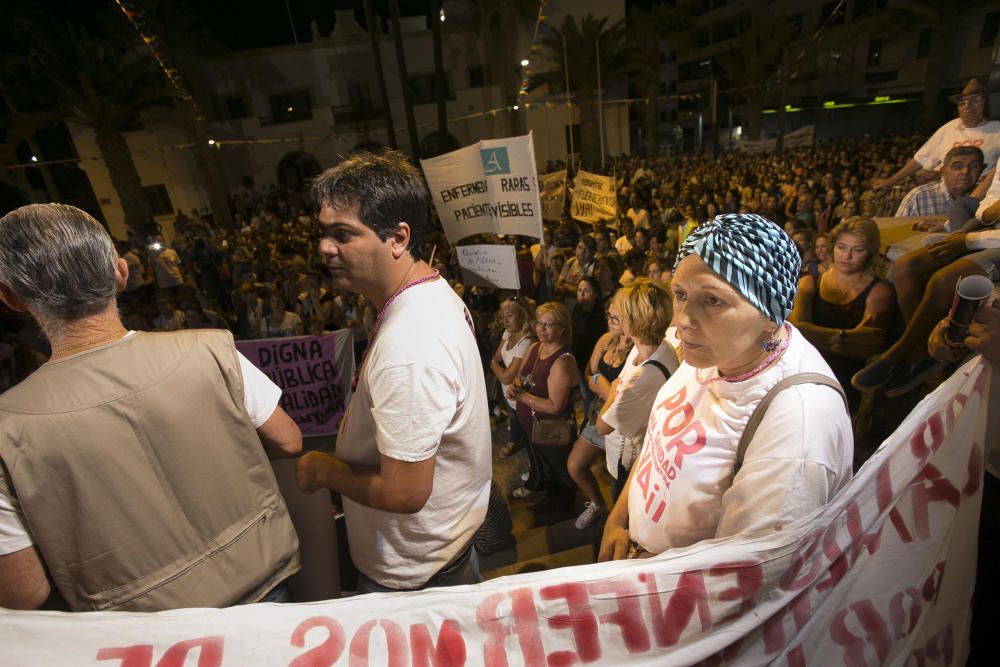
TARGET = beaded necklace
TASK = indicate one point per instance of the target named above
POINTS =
(760, 367)
(381, 316)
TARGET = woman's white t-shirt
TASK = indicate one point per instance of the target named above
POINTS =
(519, 351)
(799, 458)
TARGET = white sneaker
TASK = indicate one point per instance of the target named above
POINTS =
(589, 516)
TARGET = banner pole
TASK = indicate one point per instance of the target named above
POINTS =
(433, 251)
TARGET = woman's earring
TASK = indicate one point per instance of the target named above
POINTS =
(772, 343)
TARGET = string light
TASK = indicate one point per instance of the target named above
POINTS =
(540, 18)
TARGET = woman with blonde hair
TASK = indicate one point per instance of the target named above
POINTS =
(542, 391)
(645, 311)
(518, 316)
(847, 310)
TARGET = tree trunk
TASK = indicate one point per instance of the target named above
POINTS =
(440, 82)
(124, 178)
(373, 35)
(936, 62)
(589, 147)
(754, 119)
(404, 78)
(649, 116)
(208, 163)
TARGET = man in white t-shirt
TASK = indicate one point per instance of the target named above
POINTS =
(971, 128)
(413, 456)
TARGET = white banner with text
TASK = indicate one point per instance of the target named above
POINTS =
(490, 187)
(883, 575)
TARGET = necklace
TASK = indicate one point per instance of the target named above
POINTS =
(381, 316)
(760, 367)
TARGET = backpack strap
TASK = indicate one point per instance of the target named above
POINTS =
(654, 362)
(758, 413)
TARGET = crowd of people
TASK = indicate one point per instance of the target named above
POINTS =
(721, 285)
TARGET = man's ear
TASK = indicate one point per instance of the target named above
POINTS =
(121, 274)
(13, 302)
(399, 240)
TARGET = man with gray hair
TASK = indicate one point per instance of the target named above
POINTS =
(132, 475)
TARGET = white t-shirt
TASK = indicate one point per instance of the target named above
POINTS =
(986, 137)
(799, 458)
(629, 413)
(519, 351)
(992, 195)
(421, 393)
(260, 398)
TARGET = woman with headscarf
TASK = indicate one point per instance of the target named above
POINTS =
(704, 471)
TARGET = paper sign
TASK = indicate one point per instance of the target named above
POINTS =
(489, 265)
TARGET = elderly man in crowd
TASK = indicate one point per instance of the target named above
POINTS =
(413, 456)
(959, 173)
(133, 476)
(971, 128)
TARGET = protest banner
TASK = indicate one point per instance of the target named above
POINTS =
(594, 198)
(489, 265)
(801, 137)
(882, 575)
(553, 194)
(314, 373)
(487, 188)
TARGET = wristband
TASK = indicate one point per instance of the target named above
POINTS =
(593, 378)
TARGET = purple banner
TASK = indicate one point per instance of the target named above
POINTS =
(314, 373)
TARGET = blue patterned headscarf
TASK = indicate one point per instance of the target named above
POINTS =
(752, 254)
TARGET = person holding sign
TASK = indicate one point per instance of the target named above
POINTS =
(720, 457)
(132, 476)
(413, 456)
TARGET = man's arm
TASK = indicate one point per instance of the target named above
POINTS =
(280, 435)
(23, 584)
(396, 486)
(909, 169)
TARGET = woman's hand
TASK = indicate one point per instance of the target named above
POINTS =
(614, 542)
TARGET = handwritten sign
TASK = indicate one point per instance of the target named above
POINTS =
(314, 373)
(593, 197)
(880, 576)
(553, 194)
(488, 187)
(490, 265)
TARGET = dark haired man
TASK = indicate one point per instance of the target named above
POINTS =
(413, 457)
(959, 172)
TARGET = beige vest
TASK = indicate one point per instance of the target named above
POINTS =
(143, 483)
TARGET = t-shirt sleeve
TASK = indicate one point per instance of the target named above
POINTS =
(260, 395)
(520, 350)
(629, 413)
(930, 154)
(992, 195)
(14, 534)
(799, 458)
(412, 407)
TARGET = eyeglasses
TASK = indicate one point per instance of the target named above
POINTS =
(971, 99)
(613, 319)
(548, 325)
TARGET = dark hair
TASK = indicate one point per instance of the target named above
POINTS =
(589, 242)
(594, 285)
(385, 189)
(965, 150)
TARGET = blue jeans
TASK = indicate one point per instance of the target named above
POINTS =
(463, 571)
(279, 593)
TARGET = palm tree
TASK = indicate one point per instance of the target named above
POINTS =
(499, 24)
(648, 33)
(755, 64)
(97, 80)
(575, 47)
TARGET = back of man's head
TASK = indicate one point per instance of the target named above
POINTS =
(58, 260)
(384, 190)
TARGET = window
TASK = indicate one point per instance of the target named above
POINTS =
(359, 94)
(991, 23)
(289, 107)
(231, 107)
(422, 88)
(874, 52)
(477, 77)
(795, 22)
(882, 77)
(862, 7)
(924, 43)
(831, 14)
(159, 200)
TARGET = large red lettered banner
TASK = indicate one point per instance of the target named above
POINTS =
(314, 373)
(881, 576)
